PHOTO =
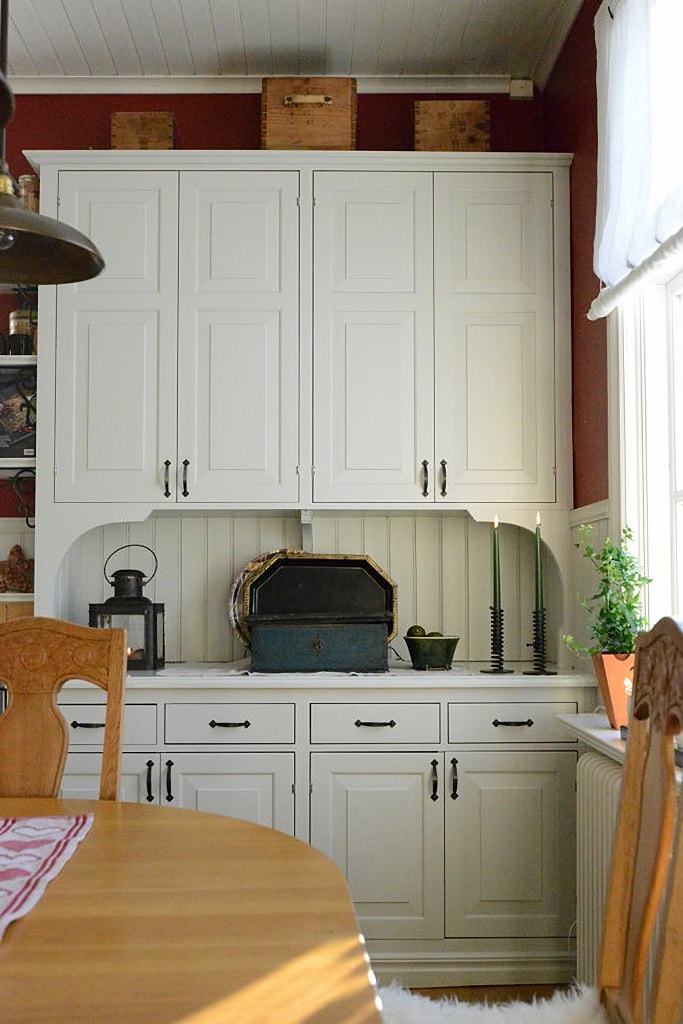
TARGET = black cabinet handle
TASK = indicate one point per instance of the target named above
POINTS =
(528, 723)
(375, 725)
(425, 478)
(435, 780)
(87, 725)
(454, 790)
(229, 725)
(167, 489)
(444, 478)
(169, 782)
(150, 794)
(185, 492)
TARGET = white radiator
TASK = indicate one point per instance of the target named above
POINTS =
(598, 788)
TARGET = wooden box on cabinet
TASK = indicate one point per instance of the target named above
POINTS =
(308, 113)
(449, 125)
(146, 130)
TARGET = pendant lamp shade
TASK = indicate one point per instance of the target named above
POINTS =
(41, 250)
(35, 249)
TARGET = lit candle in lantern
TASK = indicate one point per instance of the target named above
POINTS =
(496, 567)
(539, 569)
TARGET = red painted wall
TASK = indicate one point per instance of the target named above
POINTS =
(570, 125)
(562, 120)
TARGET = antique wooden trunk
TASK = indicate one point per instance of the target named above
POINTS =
(320, 613)
(308, 113)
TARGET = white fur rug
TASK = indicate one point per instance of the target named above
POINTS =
(581, 1006)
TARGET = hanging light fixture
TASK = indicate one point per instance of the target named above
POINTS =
(34, 249)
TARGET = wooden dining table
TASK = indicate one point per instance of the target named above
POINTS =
(171, 915)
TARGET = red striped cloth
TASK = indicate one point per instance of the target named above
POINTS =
(32, 852)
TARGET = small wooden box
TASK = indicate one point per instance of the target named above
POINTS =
(145, 130)
(308, 113)
(448, 125)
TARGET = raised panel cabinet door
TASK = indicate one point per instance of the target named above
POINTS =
(238, 346)
(257, 787)
(115, 421)
(373, 337)
(510, 844)
(140, 777)
(374, 816)
(495, 336)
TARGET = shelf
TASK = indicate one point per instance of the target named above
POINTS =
(9, 466)
(18, 360)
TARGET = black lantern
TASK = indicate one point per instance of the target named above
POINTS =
(142, 619)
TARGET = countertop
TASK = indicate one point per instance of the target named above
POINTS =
(400, 675)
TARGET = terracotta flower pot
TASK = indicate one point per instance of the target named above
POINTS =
(612, 670)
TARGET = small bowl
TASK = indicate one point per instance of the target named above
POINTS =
(431, 652)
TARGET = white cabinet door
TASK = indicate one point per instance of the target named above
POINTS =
(256, 787)
(495, 336)
(374, 816)
(373, 335)
(510, 843)
(238, 354)
(178, 372)
(116, 339)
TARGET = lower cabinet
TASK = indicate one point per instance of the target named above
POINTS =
(448, 805)
(454, 844)
(379, 817)
(255, 784)
(256, 787)
(510, 843)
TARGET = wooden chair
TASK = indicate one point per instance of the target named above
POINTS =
(37, 656)
(646, 878)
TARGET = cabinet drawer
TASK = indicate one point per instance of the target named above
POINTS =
(86, 724)
(375, 723)
(508, 723)
(229, 723)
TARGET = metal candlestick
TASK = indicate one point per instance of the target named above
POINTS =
(538, 645)
(496, 642)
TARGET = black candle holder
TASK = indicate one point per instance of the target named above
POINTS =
(538, 645)
(496, 643)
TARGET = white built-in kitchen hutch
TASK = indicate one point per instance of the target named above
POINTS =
(347, 353)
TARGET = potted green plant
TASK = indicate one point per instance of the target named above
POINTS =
(616, 618)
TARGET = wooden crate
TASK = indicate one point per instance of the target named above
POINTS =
(447, 125)
(145, 130)
(308, 113)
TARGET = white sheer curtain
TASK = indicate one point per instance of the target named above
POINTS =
(640, 142)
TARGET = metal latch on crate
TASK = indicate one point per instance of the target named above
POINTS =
(315, 99)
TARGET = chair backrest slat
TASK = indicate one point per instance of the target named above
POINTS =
(642, 855)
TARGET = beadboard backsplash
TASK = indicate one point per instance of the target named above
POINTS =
(440, 563)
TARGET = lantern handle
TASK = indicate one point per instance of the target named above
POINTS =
(122, 548)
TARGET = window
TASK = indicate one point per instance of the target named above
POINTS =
(639, 256)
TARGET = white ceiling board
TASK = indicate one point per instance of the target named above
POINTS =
(219, 45)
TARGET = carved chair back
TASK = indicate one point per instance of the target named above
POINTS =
(37, 656)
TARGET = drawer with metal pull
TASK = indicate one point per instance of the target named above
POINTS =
(229, 723)
(525, 722)
(86, 724)
(375, 723)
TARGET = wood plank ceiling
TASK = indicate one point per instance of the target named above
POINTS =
(229, 45)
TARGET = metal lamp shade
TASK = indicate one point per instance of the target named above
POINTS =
(34, 249)
(143, 621)
(44, 250)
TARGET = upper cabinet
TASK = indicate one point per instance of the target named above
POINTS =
(177, 368)
(310, 330)
(434, 337)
